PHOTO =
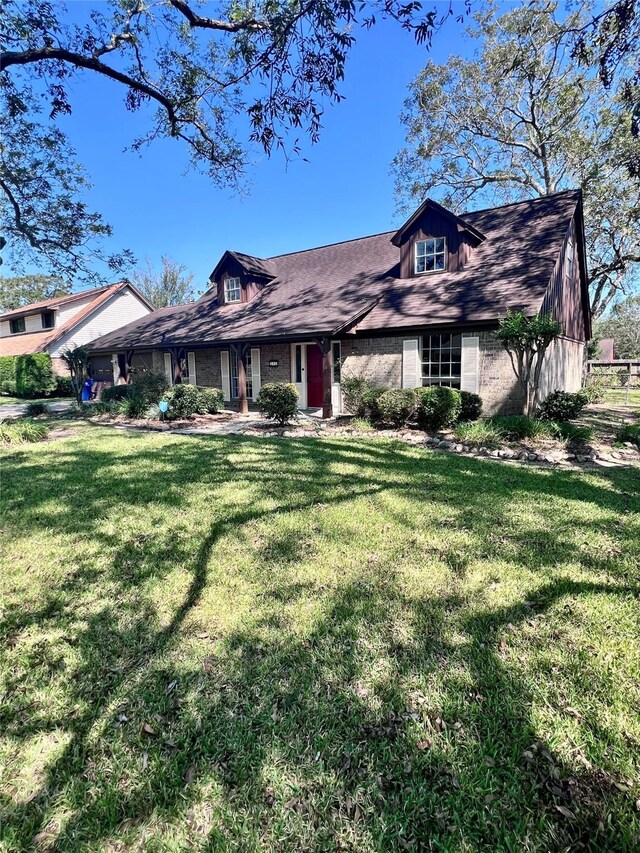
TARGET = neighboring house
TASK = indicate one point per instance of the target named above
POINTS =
(55, 325)
(413, 307)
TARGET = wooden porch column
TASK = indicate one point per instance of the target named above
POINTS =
(327, 376)
(176, 355)
(128, 360)
(243, 403)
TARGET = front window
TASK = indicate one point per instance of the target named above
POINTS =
(17, 326)
(430, 255)
(235, 394)
(47, 320)
(441, 360)
(232, 290)
(336, 360)
(184, 370)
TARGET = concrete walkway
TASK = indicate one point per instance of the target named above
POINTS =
(16, 410)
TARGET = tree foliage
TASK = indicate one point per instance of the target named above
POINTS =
(526, 340)
(520, 120)
(23, 290)
(623, 325)
(77, 361)
(252, 74)
(172, 286)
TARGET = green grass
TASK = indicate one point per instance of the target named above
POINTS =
(12, 401)
(622, 396)
(22, 432)
(480, 433)
(312, 644)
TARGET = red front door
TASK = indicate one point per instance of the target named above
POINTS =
(314, 376)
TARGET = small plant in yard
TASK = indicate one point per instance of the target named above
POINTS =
(562, 406)
(278, 401)
(22, 432)
(519, 427)
(184, 402)
(395, 406)
(362, 425)
(470, 406)
(478, 433)
(572, 434)
(133, 406)
(437, 407)
(596, 388)
(36, 408)
(114, 393)
(629, 432)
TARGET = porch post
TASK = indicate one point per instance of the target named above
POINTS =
(243, 403)
(327, 376)
(175, 358)
(128, 360)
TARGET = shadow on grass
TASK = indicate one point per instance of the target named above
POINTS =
(273, 735)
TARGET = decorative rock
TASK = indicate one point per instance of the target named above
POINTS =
(459, 448)
(496, 453)
(532, 457)
(445, 445)
(507, 453)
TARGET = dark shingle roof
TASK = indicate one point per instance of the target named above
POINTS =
(319, 291)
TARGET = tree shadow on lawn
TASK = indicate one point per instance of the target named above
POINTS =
(393, 721)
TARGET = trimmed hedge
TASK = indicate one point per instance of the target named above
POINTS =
(279, 401)
(562, 406)
(437, 407)
(395, 406)
(470, 406)
(8, 374)
(34, 375)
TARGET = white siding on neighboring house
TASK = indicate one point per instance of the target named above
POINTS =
(32, 323)
(66, 312)
(123, 308)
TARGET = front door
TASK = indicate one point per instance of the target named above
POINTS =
(314, 376)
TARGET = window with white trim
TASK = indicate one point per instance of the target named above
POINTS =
(430, 255)
(184, 370)
(232, 290)
(233, 361)
(442, 360)
(337, 358)
(569, 260)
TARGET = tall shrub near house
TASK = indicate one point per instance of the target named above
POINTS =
(7, 374)
(526, 340)
(77, 361)
(34, 375)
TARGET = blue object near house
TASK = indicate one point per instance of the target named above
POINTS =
(86, 390)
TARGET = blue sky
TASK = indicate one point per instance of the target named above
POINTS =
(344, 190)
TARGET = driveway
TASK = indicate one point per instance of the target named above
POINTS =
(15, 410)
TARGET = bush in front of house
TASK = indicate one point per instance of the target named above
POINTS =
(184, 401)
(22, 432)
(34, 375)
(519, 427)
(114, 393)
(211, 401)
(470, 406)
(395, 406)
(278, 401)
(64, 387)
(360, 398)
(437, 407)
(8, 374)
(562, 406)
(151, 385)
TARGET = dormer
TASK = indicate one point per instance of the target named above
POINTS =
(434, 240)
(239, 278)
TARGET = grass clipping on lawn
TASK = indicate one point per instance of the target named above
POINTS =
(253, 644)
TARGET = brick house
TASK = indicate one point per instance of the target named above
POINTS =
(55, 325)
(417, 306)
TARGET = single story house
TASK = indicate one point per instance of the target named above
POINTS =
(55, 325)
(417, 306)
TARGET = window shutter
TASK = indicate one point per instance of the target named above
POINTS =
(191, 361)
(115, 367)
(469, 379)
(255, 372)
(224, 369)
(411, 377)
(168, 368)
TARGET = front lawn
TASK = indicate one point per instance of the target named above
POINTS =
(317, 644)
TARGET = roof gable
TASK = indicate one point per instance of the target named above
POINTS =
(428, 205)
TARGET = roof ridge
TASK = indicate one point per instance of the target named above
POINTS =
(522, 201)
(329, 245)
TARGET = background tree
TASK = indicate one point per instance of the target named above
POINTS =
(623, 325)
(172, 286)
(22, 290)
(526, 340)
(523, 120)
(274, 64)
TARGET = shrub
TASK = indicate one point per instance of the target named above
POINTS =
(518, 427)
(211, 401)
(573, 434)
(106, 407)
(151, 385)
(279, 401)
(562, 406)
(395, 406)
(629, 432)
(114, 393)
(362, 425)
(596, 390)
(22, 432)
(184, 401)
(470, 406)
(8, 374)
(34, 376)
(133, 406)
(352, 391)
(478, 433)
(64, 387)
(437, 407)
(36, 408)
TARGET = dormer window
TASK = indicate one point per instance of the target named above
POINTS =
(17, 326)
(430, 255)
(47, 320)
(232, 290)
